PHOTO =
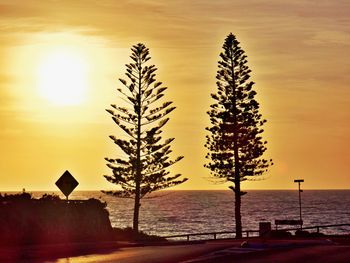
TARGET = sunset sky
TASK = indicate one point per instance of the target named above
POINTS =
(60, 62)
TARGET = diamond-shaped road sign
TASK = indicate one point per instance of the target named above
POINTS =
(67, 183)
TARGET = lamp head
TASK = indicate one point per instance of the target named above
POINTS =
(298, 180)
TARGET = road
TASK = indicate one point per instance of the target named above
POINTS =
(288, 251)
(219, 251)
(152, 254)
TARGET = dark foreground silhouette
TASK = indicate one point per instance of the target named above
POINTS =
(25, 220)
(49, 228)
(49, 220)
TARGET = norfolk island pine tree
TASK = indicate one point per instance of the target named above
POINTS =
(235, 146)
(144, 167)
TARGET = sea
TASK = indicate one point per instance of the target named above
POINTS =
(186, 212)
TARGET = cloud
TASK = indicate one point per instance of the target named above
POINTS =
(330, 38)
(179, 23)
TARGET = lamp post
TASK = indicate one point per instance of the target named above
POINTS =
(300, 181)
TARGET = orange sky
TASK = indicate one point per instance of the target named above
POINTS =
(299, 53)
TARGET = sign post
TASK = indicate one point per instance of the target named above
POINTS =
(300, 181)
(67, 183)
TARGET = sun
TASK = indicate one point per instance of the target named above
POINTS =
(62, 77)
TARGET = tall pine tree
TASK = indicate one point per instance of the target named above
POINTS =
(235, 146)
(143, 169)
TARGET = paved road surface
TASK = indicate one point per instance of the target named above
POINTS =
(289, 251)
(228, 251)
(314, 254)
(151, 254)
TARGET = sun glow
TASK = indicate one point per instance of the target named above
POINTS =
(63, 77)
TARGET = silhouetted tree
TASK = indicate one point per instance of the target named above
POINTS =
(235, 144)
(143, 169)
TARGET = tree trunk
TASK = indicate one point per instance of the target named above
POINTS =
(238, 216)
(138, 158)
(137, 186)
(135, 225)
(237, 178)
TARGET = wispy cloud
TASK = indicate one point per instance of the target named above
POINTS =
(328, 37)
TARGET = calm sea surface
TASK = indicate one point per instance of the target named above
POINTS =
(183, 212)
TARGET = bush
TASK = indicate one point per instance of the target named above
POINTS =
(16, 197)
(48, 197)
(26, 220)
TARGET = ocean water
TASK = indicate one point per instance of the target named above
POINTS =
(184, 212)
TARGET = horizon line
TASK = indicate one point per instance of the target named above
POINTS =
(99, 190)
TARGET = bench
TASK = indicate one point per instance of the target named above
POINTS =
(289, 222)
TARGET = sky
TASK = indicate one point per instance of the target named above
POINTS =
(60, 62)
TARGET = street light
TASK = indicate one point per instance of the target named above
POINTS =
(300, 181)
